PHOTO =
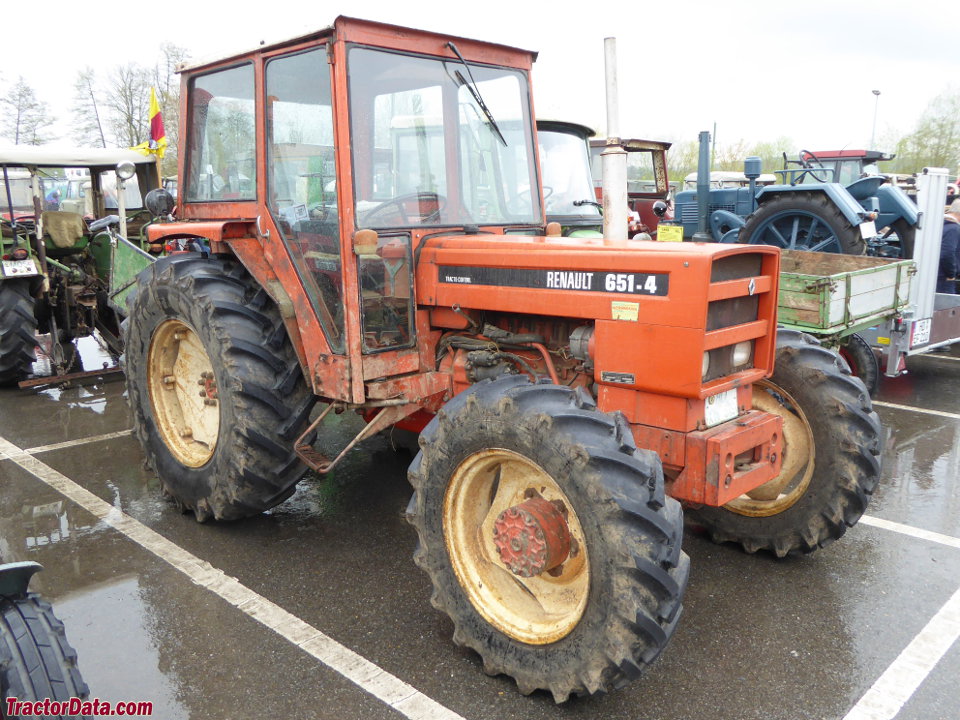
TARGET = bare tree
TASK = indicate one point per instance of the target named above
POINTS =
(88, 129)
(167, 84)
(23, 117)
(128, 104)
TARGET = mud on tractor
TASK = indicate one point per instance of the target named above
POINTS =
(363, 220)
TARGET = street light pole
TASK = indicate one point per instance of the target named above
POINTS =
(876, 102)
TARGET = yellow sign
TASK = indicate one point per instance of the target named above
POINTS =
(883, 341)
(620, 310)
(670, 233)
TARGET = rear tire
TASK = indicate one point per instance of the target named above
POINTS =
(617, 598)
(802, 221)
(216, 390)
(18, 328)
(831, 456)
(862, 361)
(36, 661)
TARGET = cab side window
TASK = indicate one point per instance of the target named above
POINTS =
(222, 132)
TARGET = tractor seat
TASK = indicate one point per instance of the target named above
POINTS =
(63, 232)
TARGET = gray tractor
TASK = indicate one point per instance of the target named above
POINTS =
(817, 206)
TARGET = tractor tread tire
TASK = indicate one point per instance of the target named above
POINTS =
(815, 203)
(264, 399)
(638, 571)
(862, 361)
(18, 328)
(847, 440)
(36, 661)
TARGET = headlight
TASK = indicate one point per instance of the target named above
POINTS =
(705, 365)
(742, 352)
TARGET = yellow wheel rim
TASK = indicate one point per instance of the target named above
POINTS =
(183, 393)
(535, 610)
(799, 455)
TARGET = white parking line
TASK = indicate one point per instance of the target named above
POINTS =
(81, 441)
(911, 408)
(882, 702)
(387, 688)
(913, 532)
(892, 689)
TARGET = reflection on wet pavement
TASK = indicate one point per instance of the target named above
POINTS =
(760, 639)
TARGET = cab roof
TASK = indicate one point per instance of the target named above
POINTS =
(347, 27)
(41, 156)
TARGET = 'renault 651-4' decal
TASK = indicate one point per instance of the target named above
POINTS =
(600, 281)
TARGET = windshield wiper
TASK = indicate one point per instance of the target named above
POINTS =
(580, 203)
(472, 87)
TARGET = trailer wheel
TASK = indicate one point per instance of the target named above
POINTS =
(216, 390)
(36, 661)
(802, 221)
(18, 328)
(862, 361)
(831, 456)
(547, 537)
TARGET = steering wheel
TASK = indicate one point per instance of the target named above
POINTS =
(515, 203)
(405, 210)
(805, 157)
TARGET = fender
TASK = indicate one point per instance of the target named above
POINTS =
(895, 204)
(15, 577)
(725, 225)
(837, 193)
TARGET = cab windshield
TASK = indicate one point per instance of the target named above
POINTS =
(424, 151)
(567, 182)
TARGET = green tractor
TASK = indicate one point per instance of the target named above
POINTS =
(59, 241)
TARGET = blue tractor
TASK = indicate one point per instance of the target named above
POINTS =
(817, 206)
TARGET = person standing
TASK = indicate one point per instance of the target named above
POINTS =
(950, 250)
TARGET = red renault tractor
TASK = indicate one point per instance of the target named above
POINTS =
(362, 224)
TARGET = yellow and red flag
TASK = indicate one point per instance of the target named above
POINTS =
(157, 144)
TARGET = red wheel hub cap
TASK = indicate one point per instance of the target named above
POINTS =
(532, 537)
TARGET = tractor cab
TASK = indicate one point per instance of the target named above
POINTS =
(568, 189)
(434, 135)
(839, 166)
(649, 192)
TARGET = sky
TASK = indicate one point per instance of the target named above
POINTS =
(756, 70)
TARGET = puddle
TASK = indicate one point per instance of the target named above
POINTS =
(115, 636)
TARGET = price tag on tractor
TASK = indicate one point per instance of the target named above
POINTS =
(19, 268)
(670, 233)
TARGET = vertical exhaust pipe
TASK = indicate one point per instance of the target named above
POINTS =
(703, 190)
(613, 157)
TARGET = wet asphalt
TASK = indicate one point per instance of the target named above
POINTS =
(760, 638)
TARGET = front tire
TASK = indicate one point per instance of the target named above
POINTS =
(18, 328)
(593, 622)
(802, 221)
(216, 390)
(36, 661)
(831, 456)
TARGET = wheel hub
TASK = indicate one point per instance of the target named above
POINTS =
(532, 537)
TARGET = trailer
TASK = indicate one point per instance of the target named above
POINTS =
(929, 320)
